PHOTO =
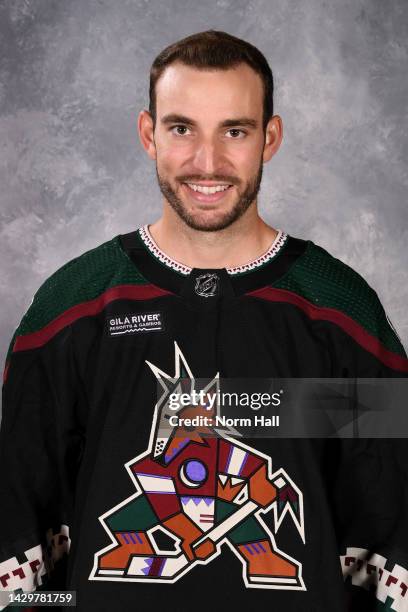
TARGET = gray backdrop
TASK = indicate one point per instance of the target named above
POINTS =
(74, 74)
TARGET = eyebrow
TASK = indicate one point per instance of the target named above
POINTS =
(175, 118)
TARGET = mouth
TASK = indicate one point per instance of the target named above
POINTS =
(207, 193)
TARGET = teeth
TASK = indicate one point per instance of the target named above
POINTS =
(207, 190)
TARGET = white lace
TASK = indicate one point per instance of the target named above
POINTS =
(275, 247)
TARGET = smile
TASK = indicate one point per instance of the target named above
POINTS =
(207, 189)
(207, 193)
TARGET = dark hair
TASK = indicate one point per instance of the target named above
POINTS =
(216, 50)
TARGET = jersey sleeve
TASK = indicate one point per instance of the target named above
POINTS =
(373, 348)
(40, 445)
(369, 486)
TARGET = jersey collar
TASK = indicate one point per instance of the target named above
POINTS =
(159, 269)
(263, 259)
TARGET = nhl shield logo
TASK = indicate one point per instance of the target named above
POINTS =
(206, 285)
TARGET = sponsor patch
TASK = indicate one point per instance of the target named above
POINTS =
(133, 323)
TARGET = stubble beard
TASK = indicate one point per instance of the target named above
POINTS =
(240, 207)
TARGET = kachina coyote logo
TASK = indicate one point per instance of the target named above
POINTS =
(203, 489)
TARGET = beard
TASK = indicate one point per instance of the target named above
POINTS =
(193, 221)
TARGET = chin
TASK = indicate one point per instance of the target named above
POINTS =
(208, 223)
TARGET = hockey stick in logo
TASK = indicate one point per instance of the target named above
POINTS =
(220, 530)
(282, 504)
(173, 564)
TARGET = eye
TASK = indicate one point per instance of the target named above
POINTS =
(237, 131)
(177, 128)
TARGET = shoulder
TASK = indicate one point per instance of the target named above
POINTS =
(335, 291)
(77, 288)
(81, 279)
(324, 279)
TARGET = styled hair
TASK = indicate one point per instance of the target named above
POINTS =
(213, 49)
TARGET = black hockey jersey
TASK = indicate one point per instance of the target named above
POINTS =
(101, 494)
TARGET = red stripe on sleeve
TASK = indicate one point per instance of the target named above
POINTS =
(366, 340)
(92, 307)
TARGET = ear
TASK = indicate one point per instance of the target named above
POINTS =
(145, 126)
(273, 137)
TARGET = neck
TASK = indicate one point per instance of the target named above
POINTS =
(243, 241)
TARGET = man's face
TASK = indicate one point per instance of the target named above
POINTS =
(209, 142)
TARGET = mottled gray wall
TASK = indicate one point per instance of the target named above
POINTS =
(74, 74)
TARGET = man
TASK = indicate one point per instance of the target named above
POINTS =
(209, 291)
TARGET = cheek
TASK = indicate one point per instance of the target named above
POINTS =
(246, 156)
(246, 162)
(169, 146)
(171, 157)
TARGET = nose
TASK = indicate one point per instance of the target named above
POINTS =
(208, 158)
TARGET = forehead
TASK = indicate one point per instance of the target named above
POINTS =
(202, 93)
